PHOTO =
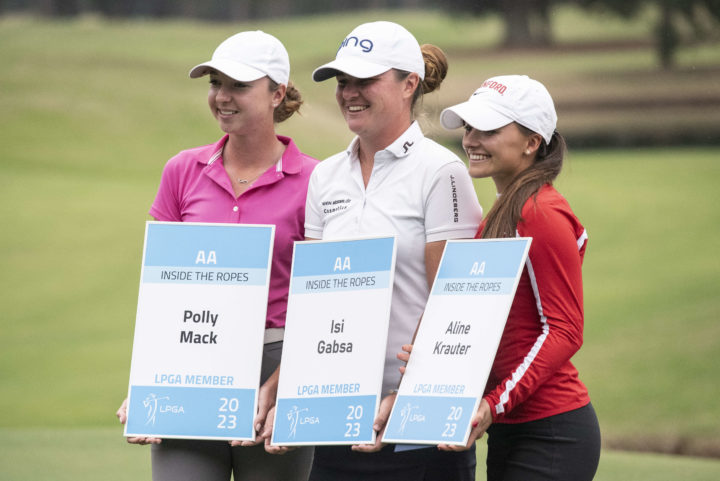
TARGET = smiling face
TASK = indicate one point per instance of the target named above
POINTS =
(242, 107)
(376, 107)
(501, 153)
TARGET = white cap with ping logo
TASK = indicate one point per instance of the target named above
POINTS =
(372, 49)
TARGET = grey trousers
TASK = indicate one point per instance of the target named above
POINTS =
(190, 460)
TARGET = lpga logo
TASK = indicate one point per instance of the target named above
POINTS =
(407, 416)
(295, 416)
(153, 406)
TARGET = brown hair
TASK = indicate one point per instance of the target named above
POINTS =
(503, 218)
(290, 104)
(436, 68)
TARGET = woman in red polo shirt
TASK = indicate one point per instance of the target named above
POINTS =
(536, 411)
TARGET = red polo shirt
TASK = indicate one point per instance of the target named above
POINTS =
(532, 376)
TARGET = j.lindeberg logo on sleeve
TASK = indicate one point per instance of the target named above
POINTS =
(365, 44)
(332, 206)
(453, 189)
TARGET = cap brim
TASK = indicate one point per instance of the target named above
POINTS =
(232, 69)
(351, 66)
(479, 115)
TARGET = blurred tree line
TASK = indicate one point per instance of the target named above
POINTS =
(527, 22)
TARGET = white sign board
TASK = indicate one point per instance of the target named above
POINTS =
(335, 341)
(199, 330)
(456, 344)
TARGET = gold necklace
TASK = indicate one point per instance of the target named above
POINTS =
(247, 181)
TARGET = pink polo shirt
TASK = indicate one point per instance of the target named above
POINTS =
(195, 188)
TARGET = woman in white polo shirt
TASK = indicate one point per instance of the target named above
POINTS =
(391, 180)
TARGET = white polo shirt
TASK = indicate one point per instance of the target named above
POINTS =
(420, 192)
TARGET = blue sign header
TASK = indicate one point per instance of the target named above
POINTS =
(343, 257)
(182, 244)
(480, 259)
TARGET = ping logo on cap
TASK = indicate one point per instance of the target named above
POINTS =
(365, 44)
(493, 85)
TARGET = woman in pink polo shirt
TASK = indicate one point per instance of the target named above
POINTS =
(250, 176)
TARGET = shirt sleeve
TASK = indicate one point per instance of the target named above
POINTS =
(314, 225)
(166, 206)
(452, 210)
(554, 266)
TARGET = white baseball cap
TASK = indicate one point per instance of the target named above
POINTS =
(248, 56)
(372, 49)
(502, 100)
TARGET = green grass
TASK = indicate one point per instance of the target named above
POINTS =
(70, 455)
(80, 454)
(90, 111)
(652, 336)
